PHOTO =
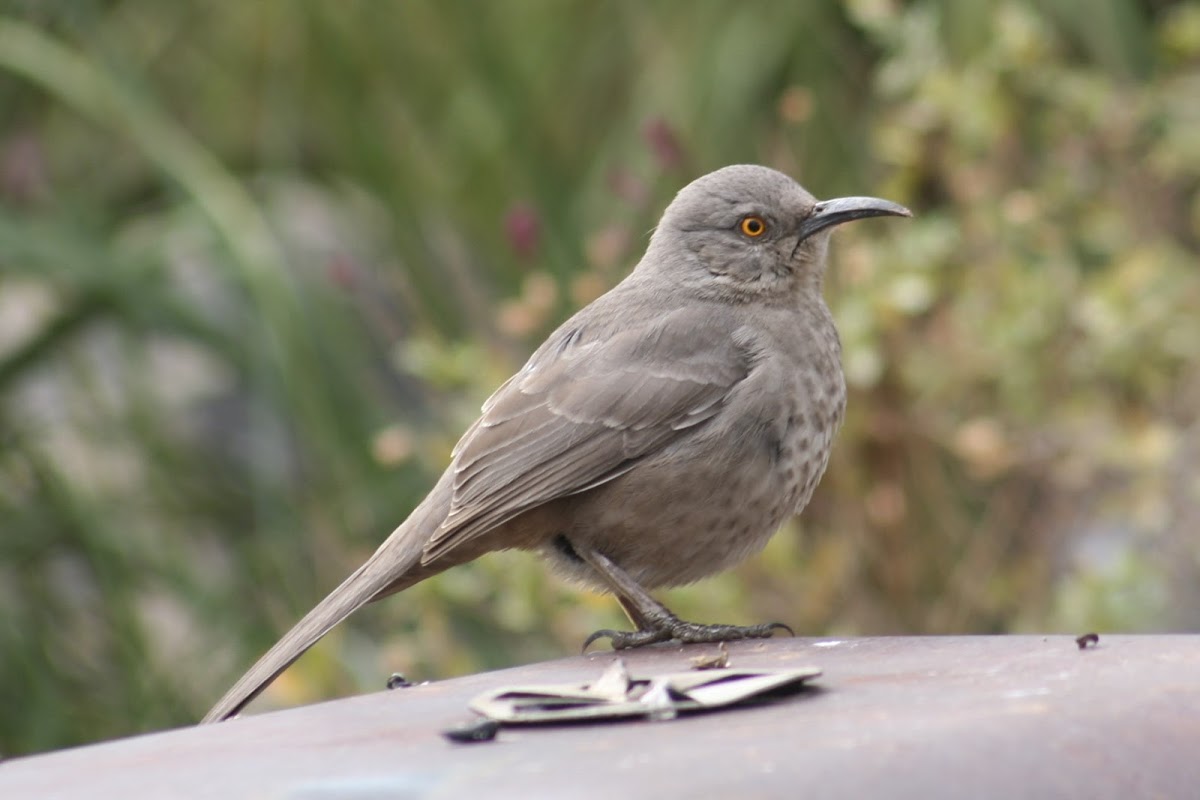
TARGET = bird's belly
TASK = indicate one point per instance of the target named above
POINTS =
(696, 510)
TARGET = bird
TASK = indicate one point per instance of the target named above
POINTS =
(660, 435)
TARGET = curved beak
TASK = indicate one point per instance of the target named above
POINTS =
(827, 213)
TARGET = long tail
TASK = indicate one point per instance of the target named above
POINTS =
(396, 565)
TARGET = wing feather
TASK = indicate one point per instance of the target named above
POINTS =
(584, 411)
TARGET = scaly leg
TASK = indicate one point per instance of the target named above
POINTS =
(654, 621)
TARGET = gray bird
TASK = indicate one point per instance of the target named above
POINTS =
(660, 435)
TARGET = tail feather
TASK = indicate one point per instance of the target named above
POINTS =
(393, 567)
(355, 592)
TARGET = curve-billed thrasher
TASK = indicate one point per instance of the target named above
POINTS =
(660, 435)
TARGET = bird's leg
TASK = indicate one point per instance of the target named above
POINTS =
(654, 621)
(635, 615)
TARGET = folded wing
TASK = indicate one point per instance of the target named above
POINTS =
(585, 410)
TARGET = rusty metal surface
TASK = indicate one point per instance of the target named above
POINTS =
(1012, 716)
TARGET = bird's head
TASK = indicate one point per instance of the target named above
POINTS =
(752, 230)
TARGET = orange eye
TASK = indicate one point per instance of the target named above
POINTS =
(753, 226)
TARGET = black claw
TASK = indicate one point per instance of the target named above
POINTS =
(626, 640)
(601, 634)
(780, 626)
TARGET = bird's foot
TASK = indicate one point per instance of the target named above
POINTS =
(675, 629)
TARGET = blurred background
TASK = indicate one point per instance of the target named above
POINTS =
(261, 262)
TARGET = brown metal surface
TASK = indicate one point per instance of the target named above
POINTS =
(1012, 716)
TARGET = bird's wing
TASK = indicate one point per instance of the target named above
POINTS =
(583, 411)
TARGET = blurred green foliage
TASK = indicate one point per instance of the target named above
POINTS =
(260, 262)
